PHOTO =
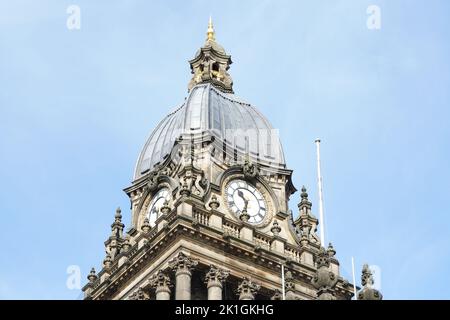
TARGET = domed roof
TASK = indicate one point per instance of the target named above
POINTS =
(224, 116)
(212, 44)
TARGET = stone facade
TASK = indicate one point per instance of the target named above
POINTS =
(199, 240)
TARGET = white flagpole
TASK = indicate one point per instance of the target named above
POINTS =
(319, 182)
(282, 282)
(354, 279)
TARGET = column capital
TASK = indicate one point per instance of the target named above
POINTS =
(160, 282)
(247, 289)
(182, 264)
(216, 276)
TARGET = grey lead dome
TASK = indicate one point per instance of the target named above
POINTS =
(239, 125)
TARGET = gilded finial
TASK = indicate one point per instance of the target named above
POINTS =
(210, 34)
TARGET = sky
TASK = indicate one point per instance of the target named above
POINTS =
(77, 105)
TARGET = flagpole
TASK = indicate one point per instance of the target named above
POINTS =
(319, 183)
(282, 282)
(354, 279)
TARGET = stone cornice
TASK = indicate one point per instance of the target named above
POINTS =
(181, 227)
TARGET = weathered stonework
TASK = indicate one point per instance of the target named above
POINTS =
(196, 247)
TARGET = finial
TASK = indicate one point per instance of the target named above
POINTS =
(331, 251)
(118, 213)
(214, 204)
(244, 216)
(368, 292)
(276, 229)
(165, 209)
(210, 34)
(366, 277)
(107, 262)
(92, 275)
(304, 194)
(126, 243)
(304, 202)
(146, 225)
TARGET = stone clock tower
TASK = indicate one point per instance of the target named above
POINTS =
(209, 206)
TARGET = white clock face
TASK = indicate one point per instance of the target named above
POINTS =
(241, 195)
(155, 205)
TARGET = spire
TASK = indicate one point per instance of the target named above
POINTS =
(210, 34)
(117, 226)
(306, 223)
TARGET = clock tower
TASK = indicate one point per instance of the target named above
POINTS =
(210, 212)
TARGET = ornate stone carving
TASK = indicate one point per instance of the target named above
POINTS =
(331, 252)
(152, 183)
(92, 276)
(107, 262)
(126, 244)
(277, 295)
(146, 226)
(113, 243)
(117, 226)
(216, 276)
(214, 203)
(306, 223)
(324, 280)
(247, 289)
(165, 209)
(214, 280)
(193, 182)
(250, 170)
(139, 294)
(161, 283)
(182, 263)
(276, 229)
(156, 176)
(244, 216)
(185, 192)
(211, 64)
(289, 285)
(367, 292)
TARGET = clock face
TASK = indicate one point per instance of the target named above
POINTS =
(241, 195)
(157, 202)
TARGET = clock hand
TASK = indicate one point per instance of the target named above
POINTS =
(241, 194)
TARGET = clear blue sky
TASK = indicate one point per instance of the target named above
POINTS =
(77, 106)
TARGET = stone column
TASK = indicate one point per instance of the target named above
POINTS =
(214, 279)
(161, 283)
(182, 265)
(247, 289)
